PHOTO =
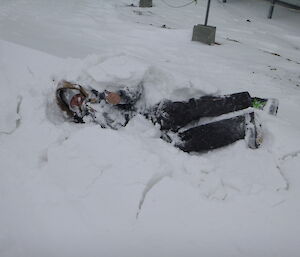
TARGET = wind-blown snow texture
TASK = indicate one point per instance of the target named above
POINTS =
(79, 190)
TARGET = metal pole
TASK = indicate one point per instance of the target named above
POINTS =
(271, 9)
(207, 12)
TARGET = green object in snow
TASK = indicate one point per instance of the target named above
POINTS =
(258, 104)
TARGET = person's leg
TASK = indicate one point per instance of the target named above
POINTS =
(221, 133)
(174, 115)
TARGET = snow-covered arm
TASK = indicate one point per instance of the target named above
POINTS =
(131, 95)
(96, 96)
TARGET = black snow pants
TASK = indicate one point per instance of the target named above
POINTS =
(174, 115)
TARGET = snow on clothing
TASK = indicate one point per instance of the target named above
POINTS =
(171, 116)
(95, 106)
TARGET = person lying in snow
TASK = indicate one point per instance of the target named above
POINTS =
(115, 109)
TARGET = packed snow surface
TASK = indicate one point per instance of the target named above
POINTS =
(78, 190)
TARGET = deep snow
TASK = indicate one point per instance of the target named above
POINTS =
(79, 190)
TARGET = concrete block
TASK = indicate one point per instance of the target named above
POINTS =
(145, 3)
(204, 34)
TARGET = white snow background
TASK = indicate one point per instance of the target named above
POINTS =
(69, 190)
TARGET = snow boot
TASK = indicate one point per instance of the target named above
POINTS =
(253, 133)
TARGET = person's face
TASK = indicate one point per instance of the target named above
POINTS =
(77, 100)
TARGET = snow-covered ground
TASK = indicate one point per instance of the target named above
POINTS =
(79, 190)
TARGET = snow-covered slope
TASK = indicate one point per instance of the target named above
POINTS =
(79, 190)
